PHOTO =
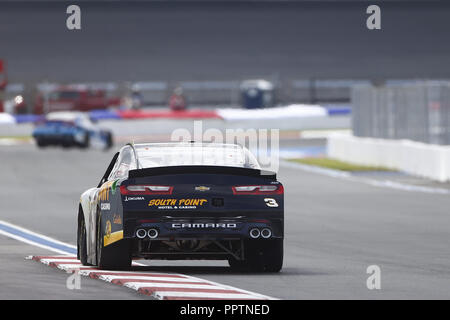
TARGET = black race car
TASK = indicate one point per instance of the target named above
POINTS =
(183, 201)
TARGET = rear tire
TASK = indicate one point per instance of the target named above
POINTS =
(115, 256)
(82, 242)
(109, 140)
(273, 256)
(260, 256)
(86, 141)
(41, 143)
(237, 265)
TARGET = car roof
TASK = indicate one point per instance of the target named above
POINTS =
(181, 153)
(65, 116)
(186, 144)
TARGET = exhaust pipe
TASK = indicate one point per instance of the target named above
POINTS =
(141, 233)
(152, 233)
(266, 233)
(255, 233)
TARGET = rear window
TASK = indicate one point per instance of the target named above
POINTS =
(178, 154)
(59, 123)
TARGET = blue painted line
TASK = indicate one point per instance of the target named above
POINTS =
(335, 111)
(37, 239)
(97, 115)
(25, 118)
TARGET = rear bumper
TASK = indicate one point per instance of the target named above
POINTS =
(203, 228)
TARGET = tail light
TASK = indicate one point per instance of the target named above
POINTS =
(263, 189)
(145, 190)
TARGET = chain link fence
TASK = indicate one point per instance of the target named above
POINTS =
(418, 111)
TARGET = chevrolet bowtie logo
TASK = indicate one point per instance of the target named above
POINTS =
(202, 188)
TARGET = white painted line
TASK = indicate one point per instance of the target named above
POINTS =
(103, 272)
(309, 134)
(109, 278)
(373, 182)
(405, 187)
(196, 295)
(224, 286)
(21, 239)
(67, 267)
(48, 261)
(35, 239)
(138, 285)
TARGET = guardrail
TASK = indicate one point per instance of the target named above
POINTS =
(415, 158)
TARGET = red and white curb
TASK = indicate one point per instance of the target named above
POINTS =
(162, 286)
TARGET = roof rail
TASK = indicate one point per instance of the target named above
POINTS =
(131, 144)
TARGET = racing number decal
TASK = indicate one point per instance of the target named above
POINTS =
(271, 202)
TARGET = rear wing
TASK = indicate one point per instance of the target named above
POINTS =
(137, 173)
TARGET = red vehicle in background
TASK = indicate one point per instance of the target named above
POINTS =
(73, 98)
(3, 83)
(177, 101)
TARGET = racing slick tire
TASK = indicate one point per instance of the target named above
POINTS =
(237, 265)
(67, 142)
(86, 142)
(260, 256)
(109, 140)
(41, 143)
(116, 256)
(82, 241)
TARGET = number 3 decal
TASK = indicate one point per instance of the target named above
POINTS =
(271, 202)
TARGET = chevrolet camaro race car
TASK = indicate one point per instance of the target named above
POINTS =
(183, 201)
(71, 129)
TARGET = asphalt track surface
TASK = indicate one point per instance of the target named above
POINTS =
(335, 229)
(122, 41)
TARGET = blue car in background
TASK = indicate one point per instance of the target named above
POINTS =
(71, 129)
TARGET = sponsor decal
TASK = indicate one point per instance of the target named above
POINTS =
(202, 188)
(105, 206)
(108, 229)
(114, 187)
(177, 203)
(103, 194)
(117, 219)
(133, 198)
(111, 237)
(204, 225)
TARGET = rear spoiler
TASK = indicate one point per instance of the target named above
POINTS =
(201, 169)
